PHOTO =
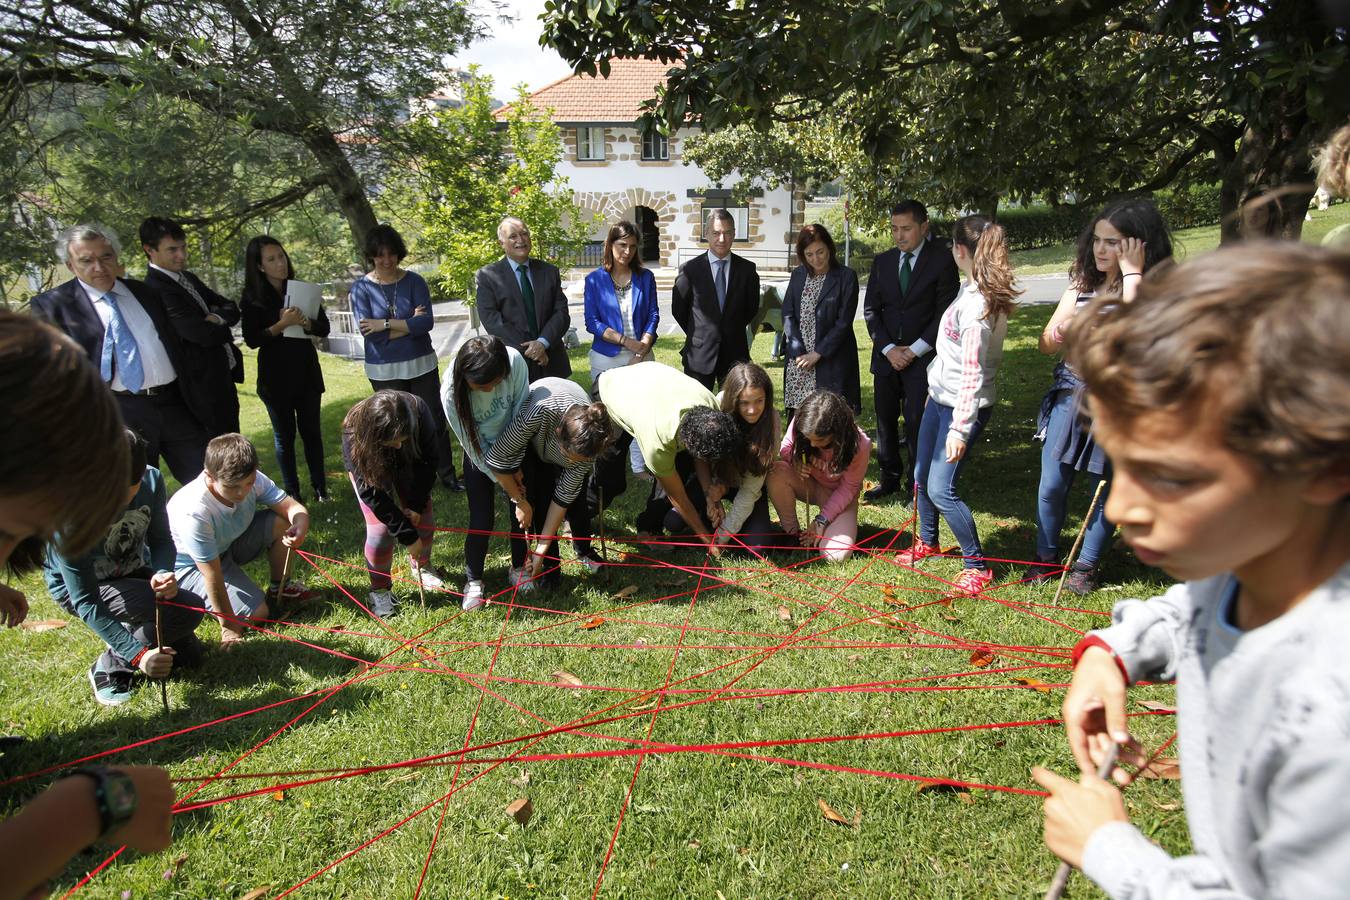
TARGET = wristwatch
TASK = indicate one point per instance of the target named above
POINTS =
(821, 521)
(115, 795)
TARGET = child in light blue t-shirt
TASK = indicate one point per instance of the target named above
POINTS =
(227, 516)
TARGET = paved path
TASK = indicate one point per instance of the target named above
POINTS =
(452, 330)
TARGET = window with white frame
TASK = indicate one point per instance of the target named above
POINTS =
(655, 146)
(590, 144)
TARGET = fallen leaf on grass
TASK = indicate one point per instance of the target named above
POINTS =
(593, 622)
(854, 657)
(784, 614)
(1034, 683)
(624, 592)
(943, 787)
(945, 600)
(521, 810)
(568, 678)
(888, 594)
(401, 778)
(650, 704)
(40, 625)
(278, 795)
(640, 642)
(949, 617)
(828, 812)
(257, 893)
(522, 781)
(1156, 706)
(1171, 806)
(1167, 768)
(694, 845)
(169, 874)
(981, 659)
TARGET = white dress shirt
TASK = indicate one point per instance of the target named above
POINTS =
(154, 358)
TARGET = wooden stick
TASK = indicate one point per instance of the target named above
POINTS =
(159, 639)
(1061, 879)
(600, 493)
(421, 591)
(1078, 542)
(285, 577)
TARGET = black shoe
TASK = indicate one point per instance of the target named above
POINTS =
(321, 495)
(451, 482)
(884, 489)
(1081, 581)
(296, 494)
(1047, 571)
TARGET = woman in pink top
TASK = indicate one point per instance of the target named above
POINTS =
(822, 461)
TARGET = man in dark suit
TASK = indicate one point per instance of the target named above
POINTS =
(520, 300)
(909, 289)
(715, 296)
(123, 327)
(201, 317)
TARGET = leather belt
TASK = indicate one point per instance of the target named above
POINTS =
(155, 391)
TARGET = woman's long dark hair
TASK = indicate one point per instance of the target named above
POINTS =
(256, 285)
(617, 232)
(480, 360)
(825, 414)
(761, 438)
(382, 418)
(990, 268)
(1136, 218)
(585, 430)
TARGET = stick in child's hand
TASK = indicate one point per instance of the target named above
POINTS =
(1061, 879)
(159, 639)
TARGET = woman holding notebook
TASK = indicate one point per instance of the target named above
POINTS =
(290, 382)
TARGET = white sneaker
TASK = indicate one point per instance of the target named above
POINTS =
(521, 581)
(473, 596)
(430, 580)
(382, 604)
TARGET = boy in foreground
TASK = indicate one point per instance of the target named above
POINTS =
(228, 516)
(1222, 396)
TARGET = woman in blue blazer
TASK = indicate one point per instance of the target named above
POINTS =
(621, 313)
(621, 308)
(818, 312)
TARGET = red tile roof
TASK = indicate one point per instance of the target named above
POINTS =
(587, 98)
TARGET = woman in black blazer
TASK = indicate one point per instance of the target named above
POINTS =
(818, 312)
(290, 382)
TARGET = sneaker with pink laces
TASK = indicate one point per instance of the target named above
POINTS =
(972, 581)
(919, 551)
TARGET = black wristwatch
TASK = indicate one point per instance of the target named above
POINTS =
(115, 795)
(821, 521)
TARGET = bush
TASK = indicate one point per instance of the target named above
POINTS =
(1041, 226)
(1191, 207)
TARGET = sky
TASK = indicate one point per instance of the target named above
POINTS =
(512, 54)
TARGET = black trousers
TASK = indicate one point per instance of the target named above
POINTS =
(428, 387)
(170, 430)
(298, 411)
(541, 480)
(896, 394)
(131, 601)
(481, 491)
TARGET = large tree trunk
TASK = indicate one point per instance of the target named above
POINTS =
(346, 184)
(1268, 182)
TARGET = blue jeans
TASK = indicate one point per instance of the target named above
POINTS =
(304, 413)
(1052, 497)
(935, 479)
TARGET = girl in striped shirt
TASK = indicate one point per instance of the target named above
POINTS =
(961, 393)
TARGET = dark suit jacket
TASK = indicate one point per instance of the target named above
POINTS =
(70, 309)
(501, 308)
(895, 319)
(189, 320)
(836, 308)
(714, 340)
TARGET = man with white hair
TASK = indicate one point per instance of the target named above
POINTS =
(122, 325)
(520, 300)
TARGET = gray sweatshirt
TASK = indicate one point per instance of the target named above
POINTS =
(1263, 722)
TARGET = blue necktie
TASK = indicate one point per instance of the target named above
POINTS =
(721, 284)
(119, 339)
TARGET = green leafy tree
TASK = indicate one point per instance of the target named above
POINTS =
(321, 84)
(473, 169)
(967, 102)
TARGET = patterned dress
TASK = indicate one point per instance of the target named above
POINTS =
(797, 383)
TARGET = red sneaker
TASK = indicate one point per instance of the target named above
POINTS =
(972, 581)
(918, 551)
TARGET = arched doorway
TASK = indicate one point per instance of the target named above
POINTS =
(651, 234)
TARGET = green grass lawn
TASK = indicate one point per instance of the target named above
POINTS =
(744, 663)
(1055, 260)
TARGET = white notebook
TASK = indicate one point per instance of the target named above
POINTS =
(307, 298)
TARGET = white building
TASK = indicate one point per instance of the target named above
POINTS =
(619, 172)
